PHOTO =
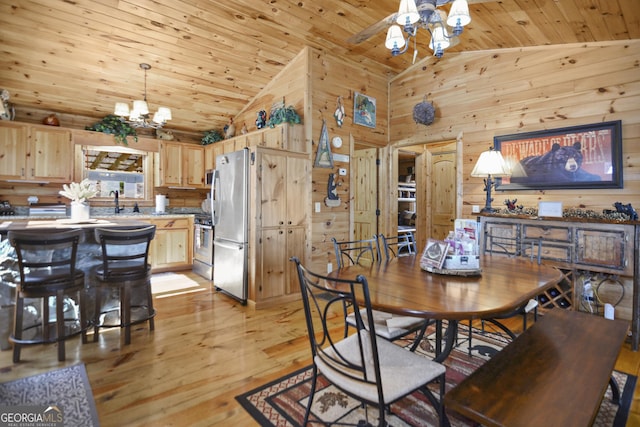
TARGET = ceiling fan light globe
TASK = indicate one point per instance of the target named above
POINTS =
(439, 38)
(459, 14)
(407, 13)
(395, 38)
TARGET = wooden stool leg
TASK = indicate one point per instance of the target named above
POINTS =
(60, 338)
(125, 312)
(150, 306)
(96, 314)
(82, 298)
(17, 327)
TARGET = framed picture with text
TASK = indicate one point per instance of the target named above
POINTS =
(587, 156)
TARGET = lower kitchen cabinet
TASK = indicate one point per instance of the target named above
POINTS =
(277, 278)
(172, 247)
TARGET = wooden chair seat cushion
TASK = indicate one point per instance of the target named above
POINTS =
(41, 283)
(401, 371)
(122, 271)
(389, 326)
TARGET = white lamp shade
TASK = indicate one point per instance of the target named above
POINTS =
(459, 11)
(439, 38)
(490, 163)
(394, 38)
(135, 115)
(2, 110)
(407, 13)
(122, 109)
(141, 108)
(162, 115)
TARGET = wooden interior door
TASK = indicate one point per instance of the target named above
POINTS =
(443, 190)
(364, 181)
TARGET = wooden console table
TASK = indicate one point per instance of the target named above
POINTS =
(579, 248)
(530, 380)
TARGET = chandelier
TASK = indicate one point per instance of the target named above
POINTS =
(414, 14)
(139, 115)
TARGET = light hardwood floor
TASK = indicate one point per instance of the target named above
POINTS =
(206, 350)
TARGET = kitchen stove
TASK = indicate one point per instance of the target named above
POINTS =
(203, 246)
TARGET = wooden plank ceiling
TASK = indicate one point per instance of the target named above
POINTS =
(210, 58)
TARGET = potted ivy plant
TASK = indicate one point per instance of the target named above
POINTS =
(112, 125)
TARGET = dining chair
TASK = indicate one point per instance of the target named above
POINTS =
(356, 252)
(372, 370)
(125, 268)
(47, 267)
(389, 326)
(403, 244)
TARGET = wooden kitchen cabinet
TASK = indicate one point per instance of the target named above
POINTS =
(35, 153)
(281, 205)
(181, 165)
(172, 247)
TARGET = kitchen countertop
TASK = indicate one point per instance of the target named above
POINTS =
(57, 222)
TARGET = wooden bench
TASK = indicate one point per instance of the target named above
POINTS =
(554, 374)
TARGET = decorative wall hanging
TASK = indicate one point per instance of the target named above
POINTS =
(324, 159)
(332, 200)
(587, 156)
(339, 113)
(424, 113)
(364, 110)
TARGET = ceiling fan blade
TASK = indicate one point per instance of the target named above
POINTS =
(384, 23)
(373, 29)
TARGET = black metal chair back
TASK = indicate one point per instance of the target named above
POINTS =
(403, 244)
(354, 252)
(125, 252)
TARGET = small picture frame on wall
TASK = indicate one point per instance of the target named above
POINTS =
(364, 110)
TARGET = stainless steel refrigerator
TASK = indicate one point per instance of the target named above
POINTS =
(230, 213)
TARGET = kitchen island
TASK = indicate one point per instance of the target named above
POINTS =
(171, 249)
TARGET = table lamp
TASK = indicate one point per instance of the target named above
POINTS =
(490, 164)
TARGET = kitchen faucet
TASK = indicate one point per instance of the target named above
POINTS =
(118, 209)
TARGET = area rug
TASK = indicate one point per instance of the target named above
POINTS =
(66, 392)
(283, 402)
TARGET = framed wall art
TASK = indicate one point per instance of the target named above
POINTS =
(364, 110)
(586, 156)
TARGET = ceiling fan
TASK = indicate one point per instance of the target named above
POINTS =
(415, 14)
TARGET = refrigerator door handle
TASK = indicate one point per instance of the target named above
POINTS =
(238, 246)
(215, 203)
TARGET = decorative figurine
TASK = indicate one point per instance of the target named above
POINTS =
(332, 200)
(627, 210)
(261, 121)
(244, 129)
(230, 129)
(511, 205)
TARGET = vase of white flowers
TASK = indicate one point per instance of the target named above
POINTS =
(79, 193)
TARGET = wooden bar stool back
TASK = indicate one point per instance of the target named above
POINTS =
(125, 267)
(47, 264)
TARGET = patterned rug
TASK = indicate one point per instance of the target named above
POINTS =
(61, 397)
(283, 402)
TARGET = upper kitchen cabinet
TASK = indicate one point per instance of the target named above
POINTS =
(181, 165)
(35, 153)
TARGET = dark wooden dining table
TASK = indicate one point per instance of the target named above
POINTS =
(503, 287)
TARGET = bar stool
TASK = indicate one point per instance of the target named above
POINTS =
(47, 264)
(125, 267)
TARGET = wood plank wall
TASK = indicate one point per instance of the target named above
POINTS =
(312, 83)
(484, 94)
